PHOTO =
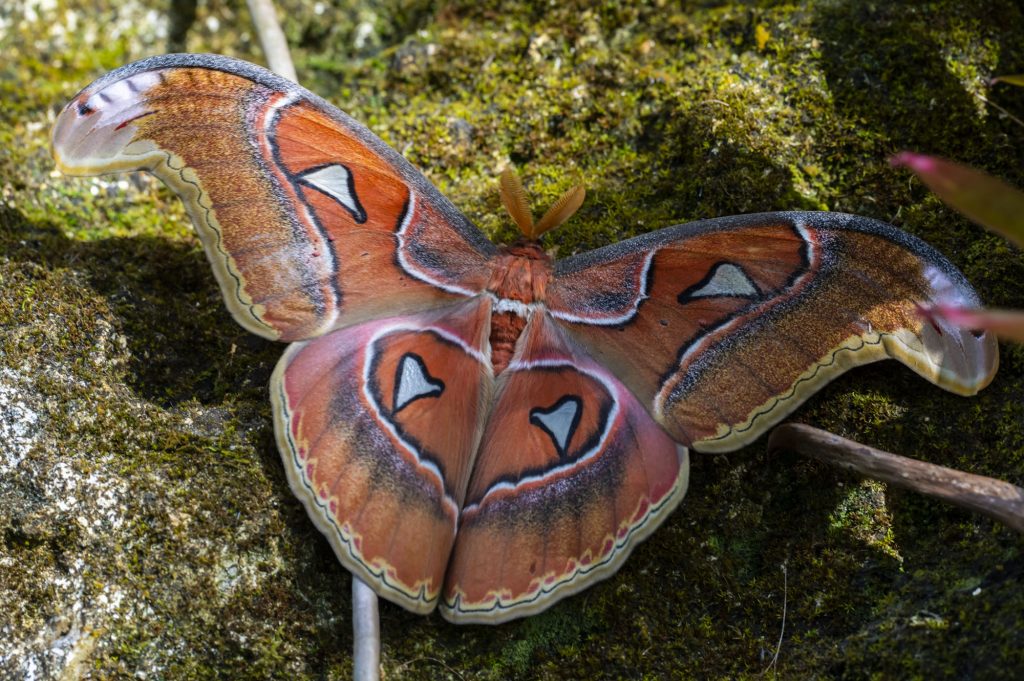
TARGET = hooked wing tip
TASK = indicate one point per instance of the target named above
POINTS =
(93, 133)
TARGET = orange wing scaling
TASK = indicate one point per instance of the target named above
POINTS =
(572, 473)
(434, 481)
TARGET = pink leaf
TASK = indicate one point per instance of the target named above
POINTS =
(1006, 324)
(984, 199)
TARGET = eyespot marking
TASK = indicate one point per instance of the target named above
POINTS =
(724, 280)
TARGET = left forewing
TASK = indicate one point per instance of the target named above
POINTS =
(309, 221)
(723, 327)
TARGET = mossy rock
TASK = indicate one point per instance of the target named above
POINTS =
(146, 527)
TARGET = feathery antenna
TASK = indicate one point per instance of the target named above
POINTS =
(562, 209)
(513, 195)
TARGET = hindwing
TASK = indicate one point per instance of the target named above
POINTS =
(378, 424)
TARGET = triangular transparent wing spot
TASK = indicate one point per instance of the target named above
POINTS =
(724, 280)
(336, 181)
(413, 381)
(559, 421)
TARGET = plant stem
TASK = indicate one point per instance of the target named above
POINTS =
(365, 632)
(275, 47)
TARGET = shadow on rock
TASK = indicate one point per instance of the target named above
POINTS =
(163, 299)
(902, 76)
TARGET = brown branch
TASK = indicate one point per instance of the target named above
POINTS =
(995, 498)
(1001, 109)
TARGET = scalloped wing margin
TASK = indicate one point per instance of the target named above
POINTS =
(357, 414)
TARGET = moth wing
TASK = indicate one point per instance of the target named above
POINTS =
(723, 327)
(571, 474)
(377, 424)
(309, 220)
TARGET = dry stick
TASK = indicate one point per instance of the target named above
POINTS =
(275, 47)
(1000, 109)
(365, 632)
(994, 498)
(365, 617)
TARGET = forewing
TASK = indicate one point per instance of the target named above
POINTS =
(572, 473)
(723, 327)
(377, 424)
(310, 221)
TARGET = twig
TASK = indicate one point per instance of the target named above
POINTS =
(782, 629)
(995, 498)
(365, 632)
(275, 47)
(365, 615)
(996, 106)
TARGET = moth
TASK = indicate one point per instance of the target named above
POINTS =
(476, 427)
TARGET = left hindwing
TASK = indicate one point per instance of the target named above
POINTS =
(725, 326)
(378, 424)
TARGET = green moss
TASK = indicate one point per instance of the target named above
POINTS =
(149, 526)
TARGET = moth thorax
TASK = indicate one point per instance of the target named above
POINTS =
(519, 280)
(520, 275)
